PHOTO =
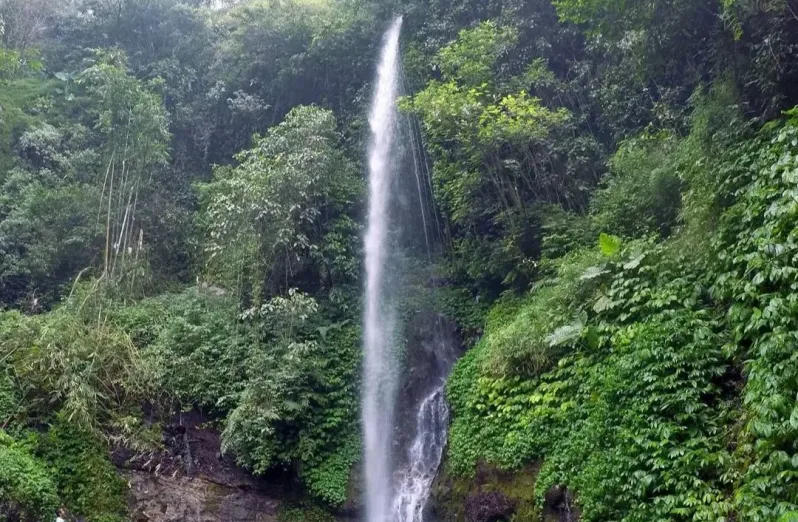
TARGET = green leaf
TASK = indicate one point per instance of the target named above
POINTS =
(565, 334)
(592, 336)
(593, 272)
(794, 419)
(609, 245)
(634, 263)
(602, 304)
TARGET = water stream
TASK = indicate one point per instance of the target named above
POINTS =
(379, 379)
(424, 457)
(399, 471)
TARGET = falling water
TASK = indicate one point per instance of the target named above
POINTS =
(424, 457)
(436, 355)
(379, 384)
(422, 203)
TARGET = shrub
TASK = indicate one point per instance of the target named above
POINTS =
(195, 345)
(26, 488)
(87, 481)
(645, 414)
(532, 340)
(299, 405)
(642, 194)
(75, 360)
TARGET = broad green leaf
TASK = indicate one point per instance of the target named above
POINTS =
(593, 272)
(602, 303)
(609, 245)
(565, 334)
(634, 263)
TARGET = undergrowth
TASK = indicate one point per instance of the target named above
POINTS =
(656, 377)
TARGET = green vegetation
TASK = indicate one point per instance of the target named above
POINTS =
(181, 211)
(623, 373)
(26, 490)
(86, 481)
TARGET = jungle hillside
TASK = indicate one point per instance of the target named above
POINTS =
(614, 205)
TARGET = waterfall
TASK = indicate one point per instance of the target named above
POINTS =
(417, 472)
(379, 381)
(424, 457)
(397, 490)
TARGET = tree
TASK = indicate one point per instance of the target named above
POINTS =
(497, 151)
(133, 124)
(266, 220)
(24, 22)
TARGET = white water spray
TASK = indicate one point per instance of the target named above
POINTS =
(424, 457)
(379, 381)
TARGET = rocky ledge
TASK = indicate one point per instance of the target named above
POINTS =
(495, 495)
(191, 481)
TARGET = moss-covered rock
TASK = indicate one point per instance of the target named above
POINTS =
(355, 492)
(491, 495)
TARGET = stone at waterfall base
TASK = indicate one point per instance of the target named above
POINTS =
(494, 495)
(194, 499)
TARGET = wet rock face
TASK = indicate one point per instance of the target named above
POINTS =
(488, 507)
(560, 506)
(195, 499)
(433, 346)
(191, 481)
(491, 495)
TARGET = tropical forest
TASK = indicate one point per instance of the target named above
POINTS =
(399, 260)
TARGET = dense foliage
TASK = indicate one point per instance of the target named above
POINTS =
(622, 369)
(26, 490)
(612, 186)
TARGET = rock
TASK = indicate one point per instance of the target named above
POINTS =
(559, 506)
(190, 480)
(488, 507)
(353, 506)
(432, 346)
(492, 495)
(193, 499)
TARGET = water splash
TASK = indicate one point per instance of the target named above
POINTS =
(424, 457)
(379, 381)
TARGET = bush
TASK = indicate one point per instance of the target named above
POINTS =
(624, 417)
(642, 194)
(299, 405)
(306, 513)
(532, 340)
(26, 488)
(673, 395)
(87, 481)
(74, 360)
(757, 280)
(195, 345)
(11, 405)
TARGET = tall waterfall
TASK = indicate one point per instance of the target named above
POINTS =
(379, 381)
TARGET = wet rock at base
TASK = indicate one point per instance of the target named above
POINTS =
(193, 499)
(560, 506)
(488, 507)
(492, 495)
(191, 481)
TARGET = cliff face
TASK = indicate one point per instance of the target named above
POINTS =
(196, 499)
(491, 495)
(432, 346)
(494, 495)
(190, 481)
